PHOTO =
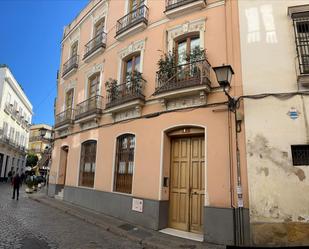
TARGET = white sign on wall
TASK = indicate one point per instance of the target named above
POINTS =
(137, 205)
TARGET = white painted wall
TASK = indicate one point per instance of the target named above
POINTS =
(278, 190)
(10, 87)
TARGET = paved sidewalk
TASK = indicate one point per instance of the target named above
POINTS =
(145, 237)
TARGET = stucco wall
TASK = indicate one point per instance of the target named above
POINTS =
(278, 191)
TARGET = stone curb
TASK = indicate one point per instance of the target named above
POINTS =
(113, 229)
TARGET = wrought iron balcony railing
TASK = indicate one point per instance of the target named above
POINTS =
(139, 15)
(99, 41)
(172, 4)
(70, 64)
(4, 138)
(8, 108)
(93, 105)
(126, 92)
(39, 138)
(64, 118)
(183, 76)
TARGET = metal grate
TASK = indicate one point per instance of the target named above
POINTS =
(300, 154)
(301, 29)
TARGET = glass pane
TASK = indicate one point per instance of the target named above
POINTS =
(195, 43)
(137, 63)
(182, 49)
(129, 66)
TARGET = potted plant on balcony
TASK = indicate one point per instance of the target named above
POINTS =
(167, 64)
(134, 81)
(111, 88)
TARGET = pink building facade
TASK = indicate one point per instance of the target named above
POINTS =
(147, 142)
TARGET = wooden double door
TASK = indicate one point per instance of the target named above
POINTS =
(187, 186)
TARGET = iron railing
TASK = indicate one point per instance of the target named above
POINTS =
(172, 4)
(99, 41)
(123, 93)
(39, 138)
(64, 118)
(300, 154)
(8, 108)
(4, 138)
(93, 105)
(135, 17)
(186, 75)
(70, 64)
(301, 29)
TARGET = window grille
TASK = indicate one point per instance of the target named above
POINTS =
(124, 163)
(87, 163)
(301, 29)
(300, 154)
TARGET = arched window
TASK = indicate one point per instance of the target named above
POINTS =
(87, 163)
(124, 163)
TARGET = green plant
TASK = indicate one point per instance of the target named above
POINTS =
(134, 80)
(111, 88)
(32, 160)
(197, 54)
(166, 64)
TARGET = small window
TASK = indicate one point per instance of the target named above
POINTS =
(185, 47)
(134, 4)
(69, 99)
(74, 49)
(93, 85)
(301, 28)
(124, 163)
(300, 154)
(87, 163)
(131, 64)
(99, 27)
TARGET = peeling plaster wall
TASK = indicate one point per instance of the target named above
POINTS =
(278, 191)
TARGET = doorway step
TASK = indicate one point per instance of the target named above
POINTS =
(59, 195)
(183, 234)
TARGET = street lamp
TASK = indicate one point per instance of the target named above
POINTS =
(224, 75)
(43, 132)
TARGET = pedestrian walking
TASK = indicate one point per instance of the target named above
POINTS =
(16, 182)
(22, 178)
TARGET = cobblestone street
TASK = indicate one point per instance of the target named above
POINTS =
(28, 224)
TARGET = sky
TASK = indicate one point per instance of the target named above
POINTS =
(30, 44)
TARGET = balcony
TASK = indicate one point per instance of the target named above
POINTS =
(64, 119)
(39, 139)
(95, 46)
(7, 141)
(89, 109)
(135, 21)
(183, 79)
(8, 108)
(175, 8)
(70, 66)
(126, 95)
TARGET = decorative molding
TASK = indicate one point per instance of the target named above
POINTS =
(187, 101)
(128, 114)
(133, 47)
(187, 27)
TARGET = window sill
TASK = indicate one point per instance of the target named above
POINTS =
(303, 80)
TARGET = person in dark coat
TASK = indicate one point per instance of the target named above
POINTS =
(16, 182)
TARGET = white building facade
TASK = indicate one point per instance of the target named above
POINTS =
(15, 121)
(275, 71)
